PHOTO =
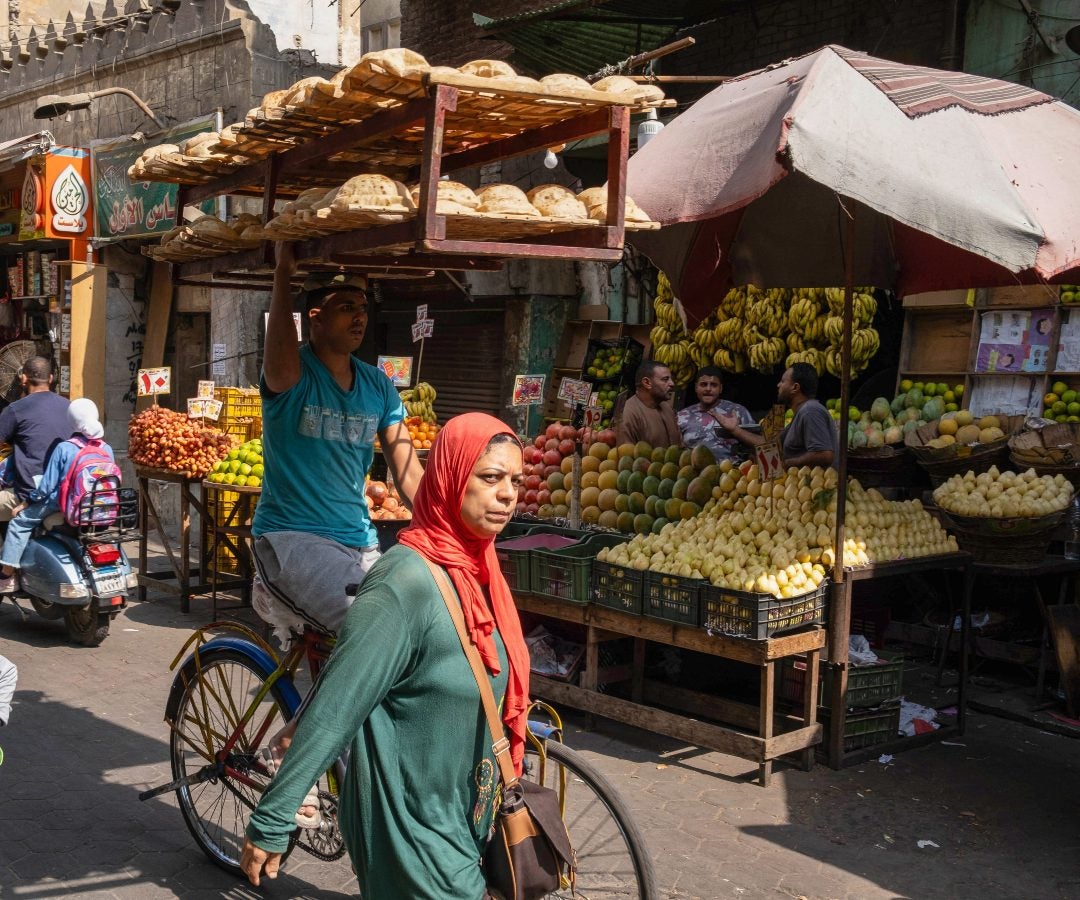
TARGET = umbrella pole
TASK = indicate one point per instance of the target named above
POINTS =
(840, 613)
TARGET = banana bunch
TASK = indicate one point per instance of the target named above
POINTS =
(767, 354)
(795, 343)
(732, 334)
(767, 310)
(865, 343)
(734, 303)
(811, 355)
(834, 330)
(863, 304)
(729, 361)
(670, 343)
(419, 401)
(704, 336)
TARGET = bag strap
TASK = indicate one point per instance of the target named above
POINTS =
(500, 745)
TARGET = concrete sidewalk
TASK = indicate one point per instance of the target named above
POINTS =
(87, 735)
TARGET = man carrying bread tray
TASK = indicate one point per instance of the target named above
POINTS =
(322, 410)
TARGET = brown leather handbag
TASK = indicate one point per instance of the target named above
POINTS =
(529, 853)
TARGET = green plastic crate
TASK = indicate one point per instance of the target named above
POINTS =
(672, 597)
(759, 616)
(867, 686)
(617, 587)
(565, 574)
(515, 564)
(867, 727)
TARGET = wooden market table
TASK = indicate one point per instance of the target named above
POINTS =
(228, 526)
(839, 632)
(762, 744)
(182, 579)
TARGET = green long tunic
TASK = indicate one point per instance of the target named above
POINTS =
(416, 804)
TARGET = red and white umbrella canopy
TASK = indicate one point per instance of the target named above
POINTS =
(956, 180)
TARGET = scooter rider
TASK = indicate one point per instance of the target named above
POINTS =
(32, 425)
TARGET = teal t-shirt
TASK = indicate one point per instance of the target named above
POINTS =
(417, 800)
(318, 443)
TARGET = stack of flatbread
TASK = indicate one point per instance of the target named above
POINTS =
(205, 237)
(595, 202)
(452, 199)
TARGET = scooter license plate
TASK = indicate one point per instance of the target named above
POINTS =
(109, 583)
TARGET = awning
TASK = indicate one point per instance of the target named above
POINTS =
(18, 149)
(584, 36)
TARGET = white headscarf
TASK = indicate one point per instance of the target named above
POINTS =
(83, 418)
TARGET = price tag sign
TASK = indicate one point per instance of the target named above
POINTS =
(205, 390)
(196, 408)
(770, 462)
(212, 409)
(421, 312)
(218, 354)
(528, 390)
(572, 390)
(398, 369)
(154, 381)
(417, 332)
(427, 328)
(593, 416)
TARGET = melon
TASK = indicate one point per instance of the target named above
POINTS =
(968, 434)
(948, 426)
(990, 434)
(858, 440)
(964, 417)
(909, 426)
(643, 523)
(934, 408)
(700, 457)
(608, 518)
(879, 409)
(625, 522)
(914, 398)
(875, 439)
(989, 422)
(893, 435)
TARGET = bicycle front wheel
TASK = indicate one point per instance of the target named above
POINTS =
(218, 705)
(612, 859)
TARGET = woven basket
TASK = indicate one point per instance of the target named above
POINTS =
(883, 467)
(980, 459)
(1071, 472)
(1015, 541)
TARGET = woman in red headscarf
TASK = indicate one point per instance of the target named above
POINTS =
(417, 802)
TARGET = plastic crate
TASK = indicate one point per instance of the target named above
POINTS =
(867, 685)
(617, 587)
(565, 574)
(515, 564)
(220, 506)
(632, 360)
(867, 727)
(241, 412)
(759, 616)
(672, 597)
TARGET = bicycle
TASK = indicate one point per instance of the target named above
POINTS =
(232, 692)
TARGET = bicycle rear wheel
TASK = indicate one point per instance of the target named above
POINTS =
(217, 702)
(613, 860)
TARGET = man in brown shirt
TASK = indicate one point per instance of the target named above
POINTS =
(648, 415)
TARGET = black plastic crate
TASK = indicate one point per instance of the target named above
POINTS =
(759, 616)
(867, 727)
(672, 597)
(631, 359)
(867, 686)
(564, 574)
(617, 587)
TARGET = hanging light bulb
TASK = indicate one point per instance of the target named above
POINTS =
(550, 160)
(648, 129)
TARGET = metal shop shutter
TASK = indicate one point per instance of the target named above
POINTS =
(463, 361)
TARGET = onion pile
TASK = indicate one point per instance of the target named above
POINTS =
(164, 439)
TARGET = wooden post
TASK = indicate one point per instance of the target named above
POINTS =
(157, 323)
(88, 329)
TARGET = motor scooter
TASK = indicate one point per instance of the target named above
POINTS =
(80, 573)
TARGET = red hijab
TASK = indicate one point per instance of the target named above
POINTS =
(438, 534)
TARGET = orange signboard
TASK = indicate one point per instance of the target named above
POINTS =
(56, 198)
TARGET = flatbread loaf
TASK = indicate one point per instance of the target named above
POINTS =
(627, 87)
(563, 81)
(273, 100)
(398, 61)
(212, 229)
(199, 145)
(488, 68)
(160, 150)
(242, 221)
(595, 200)
(301, 92)
(450, 193)
(556, 200)
(504, 199)
(370, 190)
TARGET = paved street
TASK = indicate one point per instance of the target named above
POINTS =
(87, 736)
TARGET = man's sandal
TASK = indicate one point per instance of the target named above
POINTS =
(311, 801)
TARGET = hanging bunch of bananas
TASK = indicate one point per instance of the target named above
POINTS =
(766, 354)
(767, 310)
(805, 317)
(865, 343)
(734, 304)
(729, 361)
(811, 355)
(733, 334)
(670, 343)
(419, 401)
(863, 304)
(704, 340)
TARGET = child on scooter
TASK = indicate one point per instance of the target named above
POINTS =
(44, 499)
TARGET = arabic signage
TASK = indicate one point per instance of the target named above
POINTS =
(55, 198)
(128, 208)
